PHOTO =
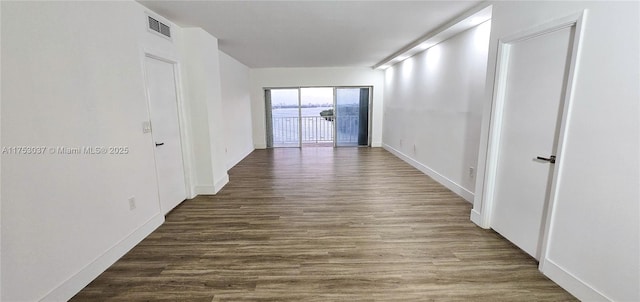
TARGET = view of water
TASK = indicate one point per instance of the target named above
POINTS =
(315, 129)
(293, 112)
(290, 125)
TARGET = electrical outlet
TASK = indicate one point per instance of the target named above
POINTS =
(414, 148)
(400, 142)
(472, 171)
(132, 203)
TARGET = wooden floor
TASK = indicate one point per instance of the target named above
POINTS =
(324, 224)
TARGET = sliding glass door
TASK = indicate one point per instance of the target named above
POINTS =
(352, 116)
(317, 116)
(283, 117)
(316, 109)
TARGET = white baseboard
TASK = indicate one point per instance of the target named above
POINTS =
(77, 282)
(220, 183)
(476, 218)
(451, 185)
(376, 144)
(571, 283)
(212, 190)
(192, 194)
(204, 190)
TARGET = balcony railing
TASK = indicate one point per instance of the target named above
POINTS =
(315, 130)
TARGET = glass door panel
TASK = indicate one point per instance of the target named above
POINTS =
(352, 116)
(316, 106)
(283, 118)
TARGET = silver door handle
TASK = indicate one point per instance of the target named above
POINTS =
(551, 159)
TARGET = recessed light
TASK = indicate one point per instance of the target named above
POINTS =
(476, 20)
(424, 46)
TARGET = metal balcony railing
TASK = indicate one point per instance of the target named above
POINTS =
(315, 129)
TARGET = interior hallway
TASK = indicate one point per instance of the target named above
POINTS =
(324, 224)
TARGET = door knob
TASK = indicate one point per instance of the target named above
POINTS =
(159, 144)
(551, 159)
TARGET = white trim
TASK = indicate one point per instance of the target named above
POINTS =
(1, 187)
(545, 262)
(568, 281)
(443, 180)
(212, 190)
(335, 115)
(68, 288)
(204, 190)
(1, 190)
(185, 135)
(185, 138)
(492, 155)
(572, 283)
(475, 217)
(544, 28)
(299, 116)
(496, 114)
(221, 182)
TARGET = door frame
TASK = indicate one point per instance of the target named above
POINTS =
(268, 126)
(486, 191)
(369, 112)
(182, 117)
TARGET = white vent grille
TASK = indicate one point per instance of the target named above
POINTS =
(159, 27)
(165, 30)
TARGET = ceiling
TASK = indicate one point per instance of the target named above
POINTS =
(311, 33)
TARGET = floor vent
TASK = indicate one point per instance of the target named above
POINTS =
(159, 27)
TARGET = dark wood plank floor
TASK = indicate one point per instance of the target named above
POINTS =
(324, 224)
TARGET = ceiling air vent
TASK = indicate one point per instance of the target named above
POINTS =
(159, 27)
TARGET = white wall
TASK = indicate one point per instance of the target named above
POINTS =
(295, 77)
(65, 218)
(236, 105)
(202, 91)
(0, 168)
(594, 245)
(433, 108)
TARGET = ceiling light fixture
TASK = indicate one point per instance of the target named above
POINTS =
(476, 20)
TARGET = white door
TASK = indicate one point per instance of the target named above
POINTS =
(163, 108)
(536, 75)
